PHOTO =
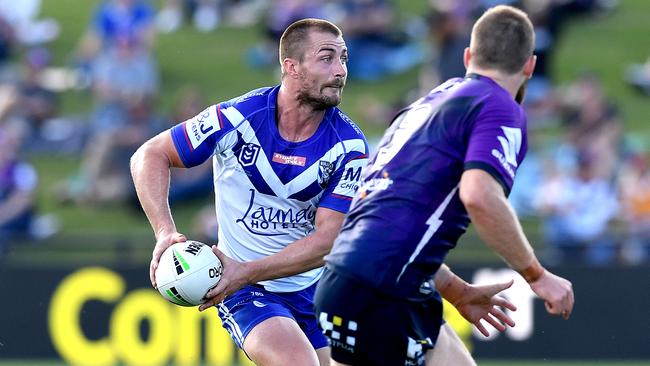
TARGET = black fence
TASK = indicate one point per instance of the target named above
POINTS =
(104, 316)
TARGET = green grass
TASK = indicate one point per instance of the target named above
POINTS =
(214, 63)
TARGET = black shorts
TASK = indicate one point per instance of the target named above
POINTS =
(366, 327)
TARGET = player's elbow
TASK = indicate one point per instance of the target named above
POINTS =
(473, 201)
(138, 158)
(475, 197)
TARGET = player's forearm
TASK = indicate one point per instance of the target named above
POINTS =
(301, 256)
(449, 285)
(497, 223)
(498, 226)
(151, 176)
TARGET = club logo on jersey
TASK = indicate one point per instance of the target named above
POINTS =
(289, 160)
(268, 220)
(325, 170)
(511, 145)
(248, 154)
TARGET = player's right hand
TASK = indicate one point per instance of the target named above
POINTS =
(557, 293)
(164, 241)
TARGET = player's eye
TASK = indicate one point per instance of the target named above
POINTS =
(344, 59)
(327, 58)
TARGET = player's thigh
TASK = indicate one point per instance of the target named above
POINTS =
(324, 355)
(279, 341)
(449, 350)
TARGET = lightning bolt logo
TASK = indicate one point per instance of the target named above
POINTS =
(434, 222)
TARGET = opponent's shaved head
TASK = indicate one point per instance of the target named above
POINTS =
(502, 39)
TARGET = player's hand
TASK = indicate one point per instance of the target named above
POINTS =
(164, 241)
(235, 276)
(557, 293)
(480, 302)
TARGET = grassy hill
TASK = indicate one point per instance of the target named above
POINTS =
(214, 62)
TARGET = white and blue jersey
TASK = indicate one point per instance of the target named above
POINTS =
(268, 189)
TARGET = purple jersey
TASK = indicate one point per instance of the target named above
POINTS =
(407, 213)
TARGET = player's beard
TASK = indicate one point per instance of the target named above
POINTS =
(521, 93)
(320, 101)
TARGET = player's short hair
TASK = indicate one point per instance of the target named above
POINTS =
(293, 39)
(502, 39)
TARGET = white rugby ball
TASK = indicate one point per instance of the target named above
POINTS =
(186, 272)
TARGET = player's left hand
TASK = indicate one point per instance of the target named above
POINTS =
(480, 302)
(235, 276)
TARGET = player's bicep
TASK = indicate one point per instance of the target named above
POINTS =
(169, 149)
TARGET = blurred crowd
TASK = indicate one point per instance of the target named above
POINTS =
(587, 182)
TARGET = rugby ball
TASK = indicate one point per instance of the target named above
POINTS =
(186, 272)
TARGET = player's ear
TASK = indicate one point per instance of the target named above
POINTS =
(529, 66)
(290, 67)
(466, 57)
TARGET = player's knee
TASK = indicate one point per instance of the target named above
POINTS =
(271, 356)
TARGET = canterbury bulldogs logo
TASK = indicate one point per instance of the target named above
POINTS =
(248, 154)
(325, 170)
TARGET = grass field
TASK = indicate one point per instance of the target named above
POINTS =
(214, 63)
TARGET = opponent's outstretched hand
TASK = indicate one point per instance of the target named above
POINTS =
(556, 292)
(235, 276)
(164, 241)
(480, 302)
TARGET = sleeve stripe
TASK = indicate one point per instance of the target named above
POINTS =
(363, 156)
(219, 115)
(187, 138)
(341, 196)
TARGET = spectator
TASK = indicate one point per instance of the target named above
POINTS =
(593, 124)
(577, 209)
(377, 48)
(634, 182)
(280, 15)
(638, 76)
(104, 175)
(205, 15)
(18, 182)
(113, 22)
(21, 16)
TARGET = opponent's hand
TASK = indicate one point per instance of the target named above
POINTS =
(557, 293)
(480, 302)
(164, 241)
(235, 276)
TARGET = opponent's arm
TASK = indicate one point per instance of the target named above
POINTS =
(475, 302)
(300, 256)
(497, 224)
(150, 169)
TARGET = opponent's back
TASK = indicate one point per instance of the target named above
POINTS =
(407, 213)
